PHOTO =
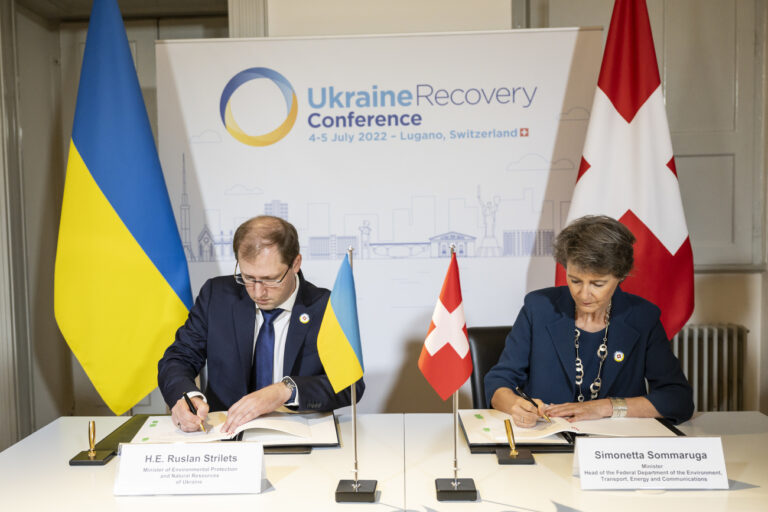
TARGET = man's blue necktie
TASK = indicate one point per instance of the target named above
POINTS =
(264, 355)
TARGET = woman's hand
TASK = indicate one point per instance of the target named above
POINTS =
(523, 413)
(577, 411)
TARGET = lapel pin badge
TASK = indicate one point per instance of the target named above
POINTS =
(304, 318)
(618, 356)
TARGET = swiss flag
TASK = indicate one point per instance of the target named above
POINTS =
(445, 360)
(628, 171)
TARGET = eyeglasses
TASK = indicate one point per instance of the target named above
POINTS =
(266, 283)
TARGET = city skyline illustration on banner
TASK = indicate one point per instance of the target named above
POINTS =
(485, 239)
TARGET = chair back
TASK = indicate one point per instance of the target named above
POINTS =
(485, 345)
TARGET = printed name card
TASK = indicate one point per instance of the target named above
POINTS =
(651, 463)
(191, 468)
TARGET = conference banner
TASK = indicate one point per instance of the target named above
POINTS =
(396, 146)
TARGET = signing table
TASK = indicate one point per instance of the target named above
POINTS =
(35, 474)
(549, 485)
(405, 453)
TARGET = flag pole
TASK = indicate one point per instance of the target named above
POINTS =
(355, 491)
(455, 482)
(455, 439)
(353, 390)
(455, 489)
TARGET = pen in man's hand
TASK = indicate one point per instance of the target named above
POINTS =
(526, 397)
(193, 409)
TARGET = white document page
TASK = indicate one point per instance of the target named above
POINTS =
(486, 426)
(287, 428)
(622, 427)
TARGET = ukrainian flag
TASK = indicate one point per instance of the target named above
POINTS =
(121, 284)
(338, 342)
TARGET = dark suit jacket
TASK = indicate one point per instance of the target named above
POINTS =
(539, 354)
(220, 329)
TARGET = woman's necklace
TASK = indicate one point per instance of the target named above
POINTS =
(602, 352)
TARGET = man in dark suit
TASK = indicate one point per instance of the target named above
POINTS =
(257, 330)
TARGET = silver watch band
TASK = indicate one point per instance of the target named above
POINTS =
(619, 407)
(289, 383)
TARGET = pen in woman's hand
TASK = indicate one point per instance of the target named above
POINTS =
(526, 397)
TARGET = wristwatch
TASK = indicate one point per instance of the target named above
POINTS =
(290, 385)
(619, 407)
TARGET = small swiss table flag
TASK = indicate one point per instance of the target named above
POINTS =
(445, 360)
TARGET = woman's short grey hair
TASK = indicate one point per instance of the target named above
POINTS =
(596, 244)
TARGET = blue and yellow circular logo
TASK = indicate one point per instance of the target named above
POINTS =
(291, 104)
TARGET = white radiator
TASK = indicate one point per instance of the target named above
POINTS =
(712, 357)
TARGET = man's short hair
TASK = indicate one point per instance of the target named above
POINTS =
(263, 231)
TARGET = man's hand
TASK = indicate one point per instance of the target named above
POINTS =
(577, 411)
(255, 404)
(183, 417)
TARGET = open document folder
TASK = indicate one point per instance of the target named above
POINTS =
(275, 429)
(485, 428)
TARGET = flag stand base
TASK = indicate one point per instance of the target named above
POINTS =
(464, 491)
(365, 492)
(100, 457)
(523, 457)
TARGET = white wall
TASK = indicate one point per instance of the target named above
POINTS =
(719, 156)
(341, 17)
(735, 298)
(725, 295)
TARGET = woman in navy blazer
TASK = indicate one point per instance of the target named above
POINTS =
(589, 348)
